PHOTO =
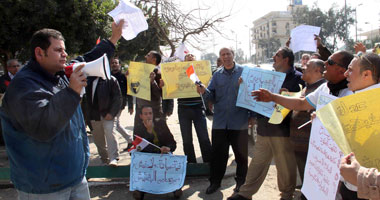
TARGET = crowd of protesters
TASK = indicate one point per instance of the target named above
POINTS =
(45, 134)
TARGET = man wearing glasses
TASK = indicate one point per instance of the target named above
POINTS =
(12, 67)
(336, 85)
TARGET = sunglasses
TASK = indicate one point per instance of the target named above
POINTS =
(331, 62)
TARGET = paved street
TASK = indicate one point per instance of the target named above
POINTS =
(194, 187)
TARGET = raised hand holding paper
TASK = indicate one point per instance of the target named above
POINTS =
(134, 20)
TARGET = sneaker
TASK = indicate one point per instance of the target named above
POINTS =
(113, 163)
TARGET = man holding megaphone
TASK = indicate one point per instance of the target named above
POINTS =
(42, 121)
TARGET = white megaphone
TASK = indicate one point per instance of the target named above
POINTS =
(99, 67)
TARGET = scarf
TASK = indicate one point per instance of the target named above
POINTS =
(335, 88)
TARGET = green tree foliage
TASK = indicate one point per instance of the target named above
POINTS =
(271, 45)
(80, 21)
(136, 49)
(333, 23)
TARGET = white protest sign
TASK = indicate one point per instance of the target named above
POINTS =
(322, 174)
(134, 20)
(157, 173)
(302, 38)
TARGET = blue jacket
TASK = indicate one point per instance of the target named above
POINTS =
(44, 129)
(223, 91)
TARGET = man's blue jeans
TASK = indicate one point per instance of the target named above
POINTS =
(188, 115)
(77, 192)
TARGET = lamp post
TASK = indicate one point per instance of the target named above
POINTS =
(370, 38)
(345, 15)
(233, 32)
(249, 42)
(356, 22)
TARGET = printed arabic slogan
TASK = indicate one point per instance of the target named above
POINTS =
(321, 176)
(138, 80)
(253, 79)
(178, 84)
(354, 123)
(157, 173)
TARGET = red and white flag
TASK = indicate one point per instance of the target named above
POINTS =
(138, 144)
(192, 75)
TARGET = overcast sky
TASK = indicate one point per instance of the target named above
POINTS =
(244, 12)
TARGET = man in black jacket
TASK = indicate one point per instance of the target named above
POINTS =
(103, 105)
(12, 68)
(156, 132)
(122, 80)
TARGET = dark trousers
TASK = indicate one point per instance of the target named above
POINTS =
(221, 140)
(301, 158)
(348, 194)
(188, 115)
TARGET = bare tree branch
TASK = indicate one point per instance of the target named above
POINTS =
(183, 26)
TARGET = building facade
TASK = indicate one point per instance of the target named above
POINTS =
(270, 32)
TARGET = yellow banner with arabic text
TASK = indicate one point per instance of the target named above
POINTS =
(138, 80)
(354, 123)
(280, 112)
(178, 84)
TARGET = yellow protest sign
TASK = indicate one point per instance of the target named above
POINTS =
(280, 112)
(138, 80)
(354, 123)
(178, 84)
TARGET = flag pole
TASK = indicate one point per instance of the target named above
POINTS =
(150, 143)
(203, 101)
(197, 82)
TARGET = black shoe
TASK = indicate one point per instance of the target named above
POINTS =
(178, 193)
(137, 195)
(237, 197)
(212, 188)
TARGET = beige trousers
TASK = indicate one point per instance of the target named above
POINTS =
(265, 149)
(105, 139)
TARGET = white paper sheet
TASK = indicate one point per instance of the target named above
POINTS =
(134, 20)
(302, 38)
